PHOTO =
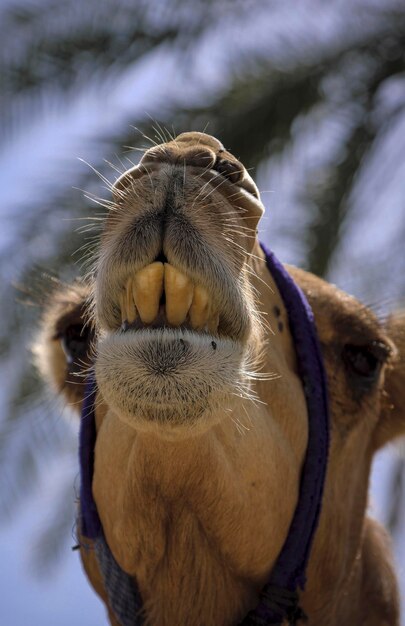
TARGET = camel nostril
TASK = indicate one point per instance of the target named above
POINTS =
(233, 171)
(158, 154)
(199, 157)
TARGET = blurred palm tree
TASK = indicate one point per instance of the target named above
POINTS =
(319, 87)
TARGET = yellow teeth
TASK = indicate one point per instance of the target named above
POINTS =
(179, 295)
(123, 306)
(200, 307)
(128, 310)
(147, 290)
(131, 311)
(213, 323)
(184, 301)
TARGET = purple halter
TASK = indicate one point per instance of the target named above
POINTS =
(279, 598)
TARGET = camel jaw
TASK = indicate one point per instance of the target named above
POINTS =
(170, 378)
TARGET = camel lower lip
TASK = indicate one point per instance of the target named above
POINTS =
(142, 370)
(183, 336)
(138, 325)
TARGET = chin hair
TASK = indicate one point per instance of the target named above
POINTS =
(170, 379)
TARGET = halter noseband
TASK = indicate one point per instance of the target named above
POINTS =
(279, 598)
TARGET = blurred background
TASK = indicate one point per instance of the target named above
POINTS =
(309, 95)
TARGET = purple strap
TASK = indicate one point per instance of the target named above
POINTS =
(90, 521)
(289, 570)
(279, 598)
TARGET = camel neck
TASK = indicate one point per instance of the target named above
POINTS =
(289, 571)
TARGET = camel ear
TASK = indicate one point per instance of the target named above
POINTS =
(392, 421)
(63, 346)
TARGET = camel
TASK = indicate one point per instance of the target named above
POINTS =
(200, 410)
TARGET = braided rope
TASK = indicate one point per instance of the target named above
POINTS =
(123, 595)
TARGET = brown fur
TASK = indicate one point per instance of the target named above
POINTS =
(197, 507)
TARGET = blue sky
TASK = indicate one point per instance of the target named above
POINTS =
(63, 598)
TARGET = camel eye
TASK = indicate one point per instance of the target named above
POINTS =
(365, 362)
(75, 341)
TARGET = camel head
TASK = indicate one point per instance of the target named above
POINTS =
(201, 414)
(172, 274)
